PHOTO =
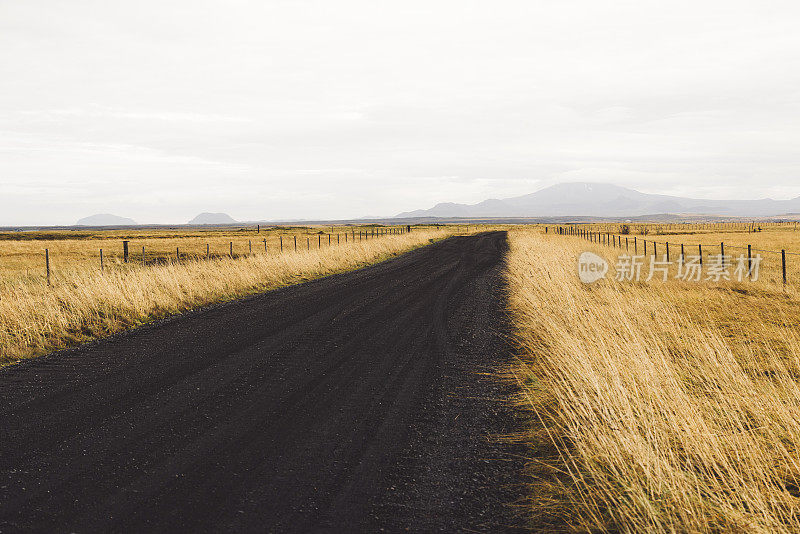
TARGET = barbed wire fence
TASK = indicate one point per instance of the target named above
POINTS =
(636, 243)
(286, 242)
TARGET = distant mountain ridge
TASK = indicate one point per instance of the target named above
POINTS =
(105, 219)
(605, 200)
(213, 218)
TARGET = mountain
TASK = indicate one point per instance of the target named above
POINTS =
(605, 200)
(213, 218)
(105, 219)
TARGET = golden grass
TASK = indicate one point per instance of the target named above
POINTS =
(700, 228)
(82, 303)
(22, 253)
(767, 243)
(656, 407)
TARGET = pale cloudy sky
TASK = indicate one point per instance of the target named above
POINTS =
(277, 109)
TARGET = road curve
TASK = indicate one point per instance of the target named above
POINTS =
(358, 402)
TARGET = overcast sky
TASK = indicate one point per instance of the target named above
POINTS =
(278, 109)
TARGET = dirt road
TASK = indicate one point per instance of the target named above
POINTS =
(353, 403)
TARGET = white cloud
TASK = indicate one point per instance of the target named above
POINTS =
(337, 109)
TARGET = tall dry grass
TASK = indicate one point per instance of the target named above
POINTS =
(656, 407)
(84, 303)
(22, 254)
(766, 243)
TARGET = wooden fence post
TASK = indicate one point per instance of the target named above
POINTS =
(47, 264)
(144, 259)
(231, 249)
(125, 251)
(749, 259)
(102, 267)
(700, 250)
(295, 243)
(783, 264)
(250, 246)
(208, 251)
(178, 254)
(265, 245)
(667, 251)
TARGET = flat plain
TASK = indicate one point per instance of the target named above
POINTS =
(460, 385)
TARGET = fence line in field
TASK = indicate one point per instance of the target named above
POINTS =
(755, 225)
(615, 240)
(352, 236)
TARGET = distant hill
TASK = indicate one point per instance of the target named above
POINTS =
(213, 218)
(606, 200)
(105, 219)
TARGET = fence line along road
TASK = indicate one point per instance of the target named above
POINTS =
(615, 240)
(750, 226)
(355, 236)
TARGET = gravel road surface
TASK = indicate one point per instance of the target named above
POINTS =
(359, 402)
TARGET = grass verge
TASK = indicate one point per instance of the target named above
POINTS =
(655, 407)
(36, 318)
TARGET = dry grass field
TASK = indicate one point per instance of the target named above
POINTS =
(658, 406)
(732, 239)
(22, 253)
(82, 303)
